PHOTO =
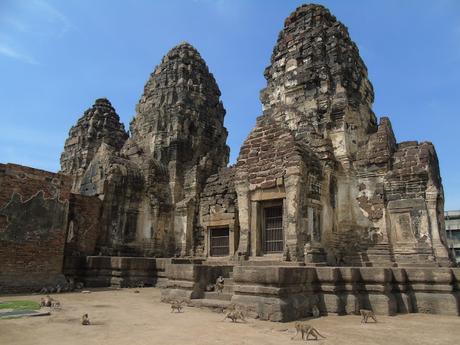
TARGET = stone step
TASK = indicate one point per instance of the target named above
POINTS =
(218, 296)
(378, 256)
(213, 304)
(259, 262)
(228, 289)
(316, 264)
(416, 264)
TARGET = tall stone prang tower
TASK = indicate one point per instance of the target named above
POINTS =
(342, 185)
(99, 124)
(150, 183)
(179, 128)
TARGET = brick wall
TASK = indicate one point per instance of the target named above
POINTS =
(33, 223)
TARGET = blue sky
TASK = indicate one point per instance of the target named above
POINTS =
(57, 57)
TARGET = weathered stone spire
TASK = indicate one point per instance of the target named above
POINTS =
(344, 180)
(99, 124)
(317, 82)
(178, 140)
(180, 116)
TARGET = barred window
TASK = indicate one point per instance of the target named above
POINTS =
(273, 229)
(219, 241)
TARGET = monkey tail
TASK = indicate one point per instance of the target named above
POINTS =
(322, 336)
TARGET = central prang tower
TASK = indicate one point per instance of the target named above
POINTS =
(150, 184)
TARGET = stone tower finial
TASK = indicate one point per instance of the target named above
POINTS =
(181, 99)
(99, 124)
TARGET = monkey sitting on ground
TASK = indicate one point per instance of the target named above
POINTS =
(46, 301)
(85, 320)
(306, 329)
(55, 304)
(315, 311)
(366, 314)
(176, 305)
(235, 315)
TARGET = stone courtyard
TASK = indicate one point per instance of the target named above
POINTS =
(323, 211)
(120, 317)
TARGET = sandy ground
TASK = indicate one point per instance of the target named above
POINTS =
(121, 317)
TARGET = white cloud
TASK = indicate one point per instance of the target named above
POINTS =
(12, 53)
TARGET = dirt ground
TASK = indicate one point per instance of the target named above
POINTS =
(121, 317)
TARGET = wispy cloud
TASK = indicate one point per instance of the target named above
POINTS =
(27, 21)
(12, 53)
(14, 23)
(35, 17)
(52, 14)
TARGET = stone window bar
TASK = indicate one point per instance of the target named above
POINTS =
(273, 229)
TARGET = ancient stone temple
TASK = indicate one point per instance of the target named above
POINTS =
(322, 208)
(319, 179)
(150, 183)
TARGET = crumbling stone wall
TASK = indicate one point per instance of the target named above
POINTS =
(218, 208)
(272, 165)
(289, 293)
(83, 225)
(33, 222)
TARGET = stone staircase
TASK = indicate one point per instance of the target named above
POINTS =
(415, 257)
(215, 300)
(379, 255)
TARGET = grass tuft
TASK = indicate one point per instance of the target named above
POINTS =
(20, 305)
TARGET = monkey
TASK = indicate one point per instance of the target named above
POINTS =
(46, 301)
(315, 311)
(70, 284)
(219, 286)
(177, 305)
(366, 314)
(85, 320)
(222, 310)
(306, 329)
(55, 304)
(234, 315)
